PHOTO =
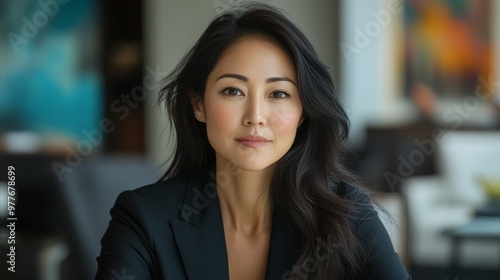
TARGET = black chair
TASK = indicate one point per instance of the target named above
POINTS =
(88, 193)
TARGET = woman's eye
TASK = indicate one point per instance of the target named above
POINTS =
(232, 92)
(279, 94)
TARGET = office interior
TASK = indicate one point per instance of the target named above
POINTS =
(80, 122)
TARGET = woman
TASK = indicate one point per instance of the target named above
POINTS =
(256, 188)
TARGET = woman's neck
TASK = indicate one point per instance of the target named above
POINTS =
(244, 199)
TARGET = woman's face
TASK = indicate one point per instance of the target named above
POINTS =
(251, 105)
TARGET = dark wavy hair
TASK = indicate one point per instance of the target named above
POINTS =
(301, 187)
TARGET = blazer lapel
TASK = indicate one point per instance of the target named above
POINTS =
(199, 232)
(283, 249)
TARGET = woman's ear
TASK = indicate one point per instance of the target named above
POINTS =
(198, 108)
(301, 120)
(199, 112)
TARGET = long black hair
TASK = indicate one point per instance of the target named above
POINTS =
(301, 187)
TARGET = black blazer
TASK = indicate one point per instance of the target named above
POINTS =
(173, 230)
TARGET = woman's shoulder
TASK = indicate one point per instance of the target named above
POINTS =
(165, 196)
(382, 262)
(361, 208)
(158, 199)
(351, 191)
(173, 188)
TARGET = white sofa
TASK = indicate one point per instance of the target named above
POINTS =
(440, 203)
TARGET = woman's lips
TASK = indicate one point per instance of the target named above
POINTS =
(253, 141)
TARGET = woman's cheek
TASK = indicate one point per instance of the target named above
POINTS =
(222, 117)
(284, 119)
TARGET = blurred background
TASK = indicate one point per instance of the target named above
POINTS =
(79, 122)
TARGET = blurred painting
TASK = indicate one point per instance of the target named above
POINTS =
(447, 46)
(50, 70)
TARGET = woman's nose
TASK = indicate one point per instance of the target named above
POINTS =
(254, 112)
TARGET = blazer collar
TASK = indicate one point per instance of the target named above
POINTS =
(199, 234)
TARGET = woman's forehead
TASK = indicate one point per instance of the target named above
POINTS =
(255, 56)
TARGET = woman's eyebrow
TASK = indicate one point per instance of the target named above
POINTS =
(234, 76)
(280, 79)
(245, 79)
